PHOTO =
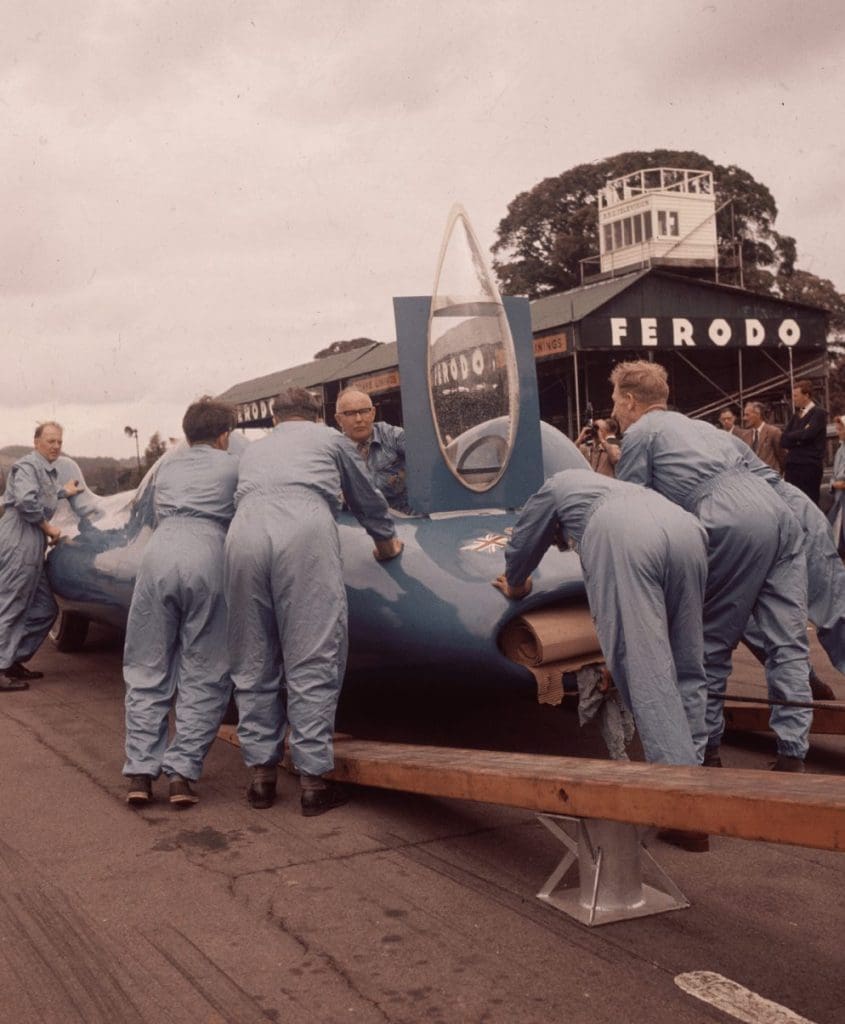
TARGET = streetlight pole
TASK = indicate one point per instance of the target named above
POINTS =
(133, 432)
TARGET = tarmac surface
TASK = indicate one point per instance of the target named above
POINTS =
(395, 908)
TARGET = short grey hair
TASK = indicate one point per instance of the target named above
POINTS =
(296, 403)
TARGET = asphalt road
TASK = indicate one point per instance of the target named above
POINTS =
(395, 908)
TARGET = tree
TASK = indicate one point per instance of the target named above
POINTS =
(836, 383)
(551, 228)
(337, 347)
(802, 286)
(156, 447)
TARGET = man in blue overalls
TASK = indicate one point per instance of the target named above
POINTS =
(27, 605)
(286, 597)
(754, 550)
(644, 563)
(380, 445)
(176, 633)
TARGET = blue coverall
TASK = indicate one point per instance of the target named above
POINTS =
(176, 633)
(825, 571)
(836, 514)
(386, 464)
(27, 605)
(644, 562)
(285, 591)
(755, 563)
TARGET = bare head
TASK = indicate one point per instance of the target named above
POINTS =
(839, 423)
(637, 387)
(727, 419)
(802, 393)
(355, 414)
(48, 439)
(208, 421)
(753, 415)
(296, 404)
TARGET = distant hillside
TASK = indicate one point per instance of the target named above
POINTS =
(103, 475)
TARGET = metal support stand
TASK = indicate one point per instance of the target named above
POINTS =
(610, 857)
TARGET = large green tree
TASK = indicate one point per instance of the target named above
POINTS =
(837, 387)
(802, 286)
(552, 227)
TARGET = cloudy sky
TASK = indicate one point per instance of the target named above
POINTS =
(198, 192)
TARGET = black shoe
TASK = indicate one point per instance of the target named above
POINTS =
(140, 790)
(692, 842)
(262, 790)
(9, 684)
(181, 794)
(318, 801)
(712, 758)
(785, 763)
(820, 689)
(18, 671)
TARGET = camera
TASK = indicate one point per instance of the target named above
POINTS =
(591, 433)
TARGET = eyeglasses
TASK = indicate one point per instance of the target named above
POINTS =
(350, 414)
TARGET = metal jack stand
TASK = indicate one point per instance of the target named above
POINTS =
(610, 872)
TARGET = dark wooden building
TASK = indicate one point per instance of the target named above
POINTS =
(721, 346)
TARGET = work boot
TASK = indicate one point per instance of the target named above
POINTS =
(9, 684)
(262, 789)
(785, 763)
(712, 758)
(692, 842)
(181, 794)
(140, 790)
(319, 795)
(18, 671)
(820, 689)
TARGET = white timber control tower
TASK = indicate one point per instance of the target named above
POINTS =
(658, 217)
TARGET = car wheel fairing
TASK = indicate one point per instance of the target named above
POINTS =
(69, 632)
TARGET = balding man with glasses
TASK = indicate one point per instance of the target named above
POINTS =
(380, 445)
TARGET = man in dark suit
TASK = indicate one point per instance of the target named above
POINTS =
(765, 438)
(803, 438)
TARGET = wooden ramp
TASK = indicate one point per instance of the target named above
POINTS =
(828, 717)
(804, 810)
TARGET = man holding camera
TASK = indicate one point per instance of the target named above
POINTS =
(593, 443)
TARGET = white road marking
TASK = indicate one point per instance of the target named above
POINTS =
(732, 998)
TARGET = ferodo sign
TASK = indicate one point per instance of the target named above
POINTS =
(701, 332)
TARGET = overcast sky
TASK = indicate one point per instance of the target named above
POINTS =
(198, 192)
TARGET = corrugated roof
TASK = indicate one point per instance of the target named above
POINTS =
(383, 357)
(307, 375)
(572, 306)
(547, 313)
(569, 307)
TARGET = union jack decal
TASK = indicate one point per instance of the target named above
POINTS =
(489, 542)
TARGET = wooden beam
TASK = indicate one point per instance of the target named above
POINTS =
(828, 717)
(805, 810)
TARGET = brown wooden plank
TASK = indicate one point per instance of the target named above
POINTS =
(807, 810)
(828, 718)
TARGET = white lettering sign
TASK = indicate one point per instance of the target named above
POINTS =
(696, 332)
(681, 332)
(755, 332)
(789, 333)
(720, 332)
